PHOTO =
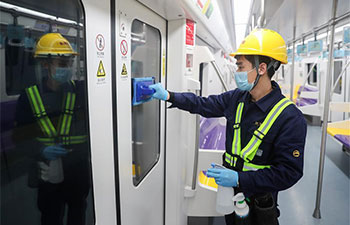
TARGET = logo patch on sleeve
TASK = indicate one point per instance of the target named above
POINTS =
(259, 152)
(296, 153)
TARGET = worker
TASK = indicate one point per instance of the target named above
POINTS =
(51, 114)
(265, 132)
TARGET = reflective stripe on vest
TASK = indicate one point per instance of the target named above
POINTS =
(39, 112)
(63, 140)
(65, 120)
(66, 117)
(236, 144)
(249, 151)
(246, 166)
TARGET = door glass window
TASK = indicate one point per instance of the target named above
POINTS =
(336, 73)
(45, 151)
(312, 79)
(282, 73)
(145, 62)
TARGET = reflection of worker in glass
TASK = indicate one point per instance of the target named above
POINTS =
(265, 132)
(51, 113)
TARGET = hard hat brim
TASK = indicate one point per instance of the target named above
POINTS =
(47, 54)
(249, 53)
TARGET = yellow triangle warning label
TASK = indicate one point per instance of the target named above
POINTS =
(124, 72)
(101, 70)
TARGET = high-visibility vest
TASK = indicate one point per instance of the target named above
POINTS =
(247, 154)
(51, 135)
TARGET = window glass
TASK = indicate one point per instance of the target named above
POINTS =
(312, 79)
(337, 70)
(45, 151)
(145, 62)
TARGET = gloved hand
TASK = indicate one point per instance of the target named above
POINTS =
(160, 93)
(54, 152)
(224, 177)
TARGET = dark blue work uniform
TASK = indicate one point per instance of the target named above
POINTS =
(73, 191)
(278, 147)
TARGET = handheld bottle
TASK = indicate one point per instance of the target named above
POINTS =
(224, 203)
(52, 172)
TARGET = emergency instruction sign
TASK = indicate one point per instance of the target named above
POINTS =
(189, 32)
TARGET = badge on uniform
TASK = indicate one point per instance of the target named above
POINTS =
(259, 152)
(257, 123)
(296, 153)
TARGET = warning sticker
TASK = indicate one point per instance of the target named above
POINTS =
(123, 47)
(100, 42)
(101, 70)
(124, 71)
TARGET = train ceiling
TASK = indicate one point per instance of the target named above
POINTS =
(282, 15)
(67, 9)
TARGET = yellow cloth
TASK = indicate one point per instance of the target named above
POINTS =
(207, 182)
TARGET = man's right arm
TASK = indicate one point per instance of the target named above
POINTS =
(212, 106)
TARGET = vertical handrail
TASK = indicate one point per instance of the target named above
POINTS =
(196, 151)
(261, 19)
(317, 211)
(293, 63)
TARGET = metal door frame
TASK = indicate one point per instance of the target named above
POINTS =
(98, 22)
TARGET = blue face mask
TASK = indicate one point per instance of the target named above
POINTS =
(241, 79)
(63, 74)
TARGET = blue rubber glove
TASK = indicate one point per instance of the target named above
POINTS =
(160, 93)
(224, 177)
(54, 152)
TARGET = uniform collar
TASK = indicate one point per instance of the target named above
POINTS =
(270, 99)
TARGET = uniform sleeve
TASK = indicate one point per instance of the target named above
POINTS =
(212, 106)
(287, 162)
(26, 129)
(23, 114)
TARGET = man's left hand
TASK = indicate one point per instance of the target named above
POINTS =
(224, 177)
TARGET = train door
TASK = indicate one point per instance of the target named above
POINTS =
(338, 87)
(50, 134)
(140, 53)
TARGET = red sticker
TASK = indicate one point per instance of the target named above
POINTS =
(189, 32)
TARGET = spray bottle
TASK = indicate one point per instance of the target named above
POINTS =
(241, 210)
(52, 171)
(224, 203)
(227, 202)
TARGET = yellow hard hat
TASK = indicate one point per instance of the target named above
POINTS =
(53, 44)
(264, 42)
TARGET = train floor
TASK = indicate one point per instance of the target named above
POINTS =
(298, 203)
